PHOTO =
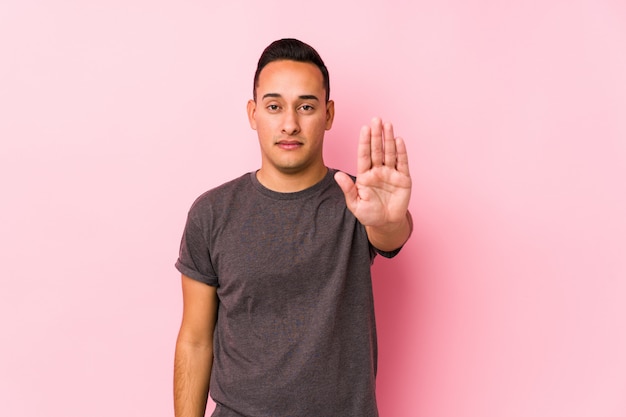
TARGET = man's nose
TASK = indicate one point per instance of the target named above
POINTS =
(290, 123)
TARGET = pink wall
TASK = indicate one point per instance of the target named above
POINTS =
(510, 298)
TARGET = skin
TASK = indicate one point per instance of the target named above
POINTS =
(380, 196)
(291, 116)
(194, 348)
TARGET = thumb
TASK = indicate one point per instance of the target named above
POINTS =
(348, 187)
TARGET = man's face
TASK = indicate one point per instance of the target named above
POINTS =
(290, 116)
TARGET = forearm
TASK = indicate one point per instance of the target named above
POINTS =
(390, 236)
(192, 372)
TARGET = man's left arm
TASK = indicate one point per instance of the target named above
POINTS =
(379, 198)
(390, 237)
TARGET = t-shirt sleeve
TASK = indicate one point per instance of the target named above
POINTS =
(386, 254)
(194, 258)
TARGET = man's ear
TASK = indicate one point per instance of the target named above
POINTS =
(251, 110)
(330, 114)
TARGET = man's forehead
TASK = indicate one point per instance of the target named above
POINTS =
(278, 78)
(295, 69)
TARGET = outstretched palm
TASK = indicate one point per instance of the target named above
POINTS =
(380, 196)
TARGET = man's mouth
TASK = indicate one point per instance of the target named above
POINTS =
(289, 145)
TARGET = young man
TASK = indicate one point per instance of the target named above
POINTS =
(278, 314)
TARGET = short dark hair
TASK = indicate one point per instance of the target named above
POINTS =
(291, 50)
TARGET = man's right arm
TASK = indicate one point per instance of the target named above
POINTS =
(194, 348)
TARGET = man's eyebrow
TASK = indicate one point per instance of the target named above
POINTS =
(302, 97)
(309, 97)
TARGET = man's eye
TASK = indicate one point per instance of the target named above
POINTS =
(306, 107)
(272, 107)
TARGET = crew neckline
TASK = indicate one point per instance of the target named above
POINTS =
(323, 183)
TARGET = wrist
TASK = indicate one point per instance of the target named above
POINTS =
(391, 236)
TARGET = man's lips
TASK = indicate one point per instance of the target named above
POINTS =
(289, 144)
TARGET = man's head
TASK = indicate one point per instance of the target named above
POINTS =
(291, 111)
(291, 50)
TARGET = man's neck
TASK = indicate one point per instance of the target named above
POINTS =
(282, 182)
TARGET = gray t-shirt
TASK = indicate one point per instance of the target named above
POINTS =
(295, 334)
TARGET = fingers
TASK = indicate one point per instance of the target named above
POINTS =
(402, 158)
(364, 151)
(390, 145)
(376, 139)
(378, 146)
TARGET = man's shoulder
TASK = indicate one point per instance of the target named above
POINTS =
(224, 192)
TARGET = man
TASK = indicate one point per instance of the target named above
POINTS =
(278, 314)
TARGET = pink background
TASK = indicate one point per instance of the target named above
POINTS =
(509, 301)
